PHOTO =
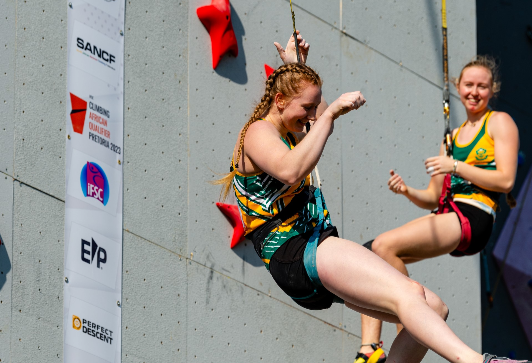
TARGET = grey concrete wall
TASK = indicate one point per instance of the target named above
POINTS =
(187, 296)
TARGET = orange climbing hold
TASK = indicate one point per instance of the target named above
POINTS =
(233, 215)
(217, 20)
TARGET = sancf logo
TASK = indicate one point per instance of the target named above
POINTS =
(90, 250)
(95, 51)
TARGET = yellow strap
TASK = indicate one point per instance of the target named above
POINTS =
(360, 360)
(375, 356)
(443, 14)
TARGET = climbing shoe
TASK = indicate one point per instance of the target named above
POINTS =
(377, 356)
(488, 358)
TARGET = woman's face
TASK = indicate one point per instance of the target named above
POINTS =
(475, 88)
(301, 108)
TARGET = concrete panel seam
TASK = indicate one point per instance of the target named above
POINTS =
(12, 229)
(15, 85)
(32, 187)
(278, 300)
(239, 282)
(155, 244)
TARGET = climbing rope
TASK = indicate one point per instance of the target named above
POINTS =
(307, 125)
(295, 34)
(446, 93)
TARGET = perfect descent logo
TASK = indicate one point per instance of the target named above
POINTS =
(91, 250)
(94, 183)
(92, 329)
(77, 115)
(76, 322)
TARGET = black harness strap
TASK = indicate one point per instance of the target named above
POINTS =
(296, 204)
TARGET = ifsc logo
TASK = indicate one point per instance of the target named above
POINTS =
(94, 182)
(92, 251)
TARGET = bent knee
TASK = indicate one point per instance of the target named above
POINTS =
(432, 300)
(382, 245)
(437, 304)
(444, 311)
(416, 289)
(441, 309)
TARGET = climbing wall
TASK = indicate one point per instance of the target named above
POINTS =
(186, 295)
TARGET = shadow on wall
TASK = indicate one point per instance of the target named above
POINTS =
(5, 264)
(246, 252)
(230, 67)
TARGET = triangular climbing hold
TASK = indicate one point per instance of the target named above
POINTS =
(233, 215)
(269, 70)
(217, 20)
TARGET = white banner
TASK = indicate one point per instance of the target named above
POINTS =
(93, 201)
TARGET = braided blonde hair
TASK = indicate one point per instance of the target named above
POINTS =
(288, 80)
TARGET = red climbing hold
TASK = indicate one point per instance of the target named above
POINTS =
(233, 215)
(269, 70)
(217, 20)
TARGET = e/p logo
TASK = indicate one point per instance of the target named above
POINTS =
(92, 252)
(94, 182)
(76, 322)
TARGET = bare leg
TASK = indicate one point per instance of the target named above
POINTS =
(385, 290)
(424, 237)
(371, 332)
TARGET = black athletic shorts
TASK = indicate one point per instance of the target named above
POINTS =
(288, 271)
(481, 227)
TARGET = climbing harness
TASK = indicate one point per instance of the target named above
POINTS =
(309, 257)
(446, 205)
(259, 235)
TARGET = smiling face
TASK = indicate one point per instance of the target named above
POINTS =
(475, 88)
(300, 109)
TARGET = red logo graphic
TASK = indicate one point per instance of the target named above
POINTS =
(77, 115)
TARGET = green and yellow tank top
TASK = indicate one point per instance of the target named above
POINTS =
(261, 197)
(480, 152)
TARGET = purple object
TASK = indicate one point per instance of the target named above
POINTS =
(515, 248)
(521, 158)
